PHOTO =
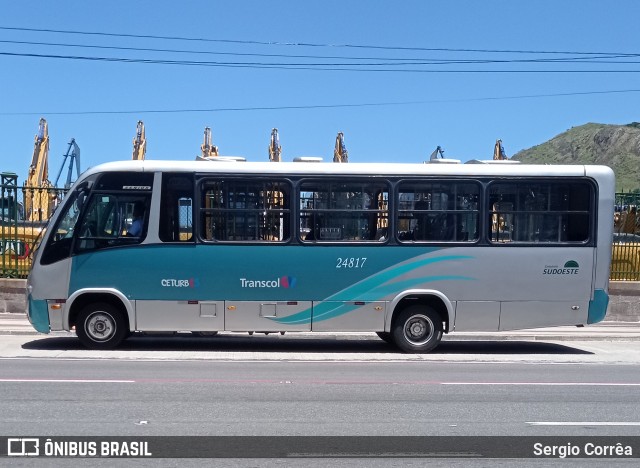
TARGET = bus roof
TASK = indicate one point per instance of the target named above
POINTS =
(352, 169)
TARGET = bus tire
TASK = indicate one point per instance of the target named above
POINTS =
(101, 326)
(417, 329)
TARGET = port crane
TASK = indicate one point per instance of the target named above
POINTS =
(38, 203)
(73, 154)
(340, 153)
(438, 152)
(275, 150)
(209, 150)
(139, 143)
(498, 151)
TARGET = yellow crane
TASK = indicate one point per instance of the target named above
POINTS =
(340, 153)
(22, 224)
(498, 151)
(139, 143)
(38, 202)
(209, 150)
(275, 150)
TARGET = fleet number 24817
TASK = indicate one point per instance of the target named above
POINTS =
(350, 262)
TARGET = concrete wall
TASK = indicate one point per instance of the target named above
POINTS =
(624, 300)
(13, 295)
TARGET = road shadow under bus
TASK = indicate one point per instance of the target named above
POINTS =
(292, 343)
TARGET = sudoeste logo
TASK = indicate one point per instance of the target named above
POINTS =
(570, 268)
(282, 282)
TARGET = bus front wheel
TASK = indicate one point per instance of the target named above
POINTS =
(101, 326)
(417, 329)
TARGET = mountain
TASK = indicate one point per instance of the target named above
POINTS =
(616, 146)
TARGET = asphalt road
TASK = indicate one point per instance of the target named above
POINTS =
(263, 387)
(323, 347)
(95, 397)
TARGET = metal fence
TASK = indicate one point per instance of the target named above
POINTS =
(25, 211)
(625, 260)
(626, 200)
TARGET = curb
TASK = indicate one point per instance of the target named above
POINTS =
(446, 338)
(541, 338)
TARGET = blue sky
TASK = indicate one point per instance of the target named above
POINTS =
(463, 107)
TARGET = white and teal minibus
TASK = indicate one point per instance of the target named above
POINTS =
(408, 251)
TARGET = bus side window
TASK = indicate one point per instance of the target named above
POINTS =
(245, 210)
(333, 210)
(111, 220)
(540, 212)
(437, 211)
(176, 208)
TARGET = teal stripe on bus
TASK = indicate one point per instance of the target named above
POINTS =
(39, 315)
(216, 272)
(365, 290)
(598, 306)
(375, 288)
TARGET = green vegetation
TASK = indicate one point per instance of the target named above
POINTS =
(616, 146)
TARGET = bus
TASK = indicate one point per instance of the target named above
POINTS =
(407, 251)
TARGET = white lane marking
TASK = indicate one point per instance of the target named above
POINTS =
(549, 384)
(583, 423)
(544, 384)
(66, 381)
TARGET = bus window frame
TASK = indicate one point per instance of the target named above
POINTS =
(104, 242)
(592, 211)
(388, 181)
(480, 239)
(165, 177)
(199, 210)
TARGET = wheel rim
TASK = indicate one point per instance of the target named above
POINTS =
(100, 326)
(418, 330)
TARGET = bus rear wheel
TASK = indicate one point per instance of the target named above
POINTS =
(417, 329)
(101, 326)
